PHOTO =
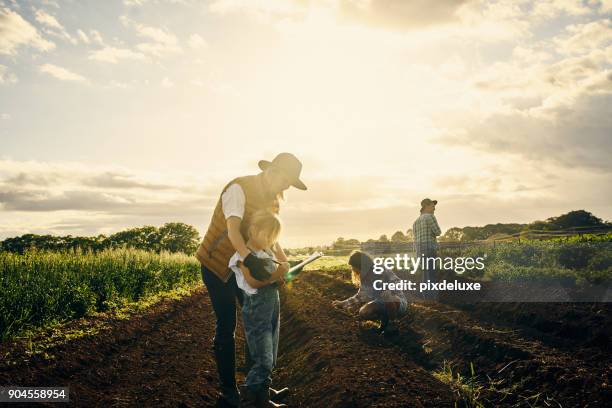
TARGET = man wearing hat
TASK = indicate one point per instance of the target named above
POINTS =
(227, 234)
(425, 230)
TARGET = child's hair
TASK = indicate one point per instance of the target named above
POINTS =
(361, 262)
(267, 222)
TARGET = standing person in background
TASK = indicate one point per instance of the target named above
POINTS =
(425, 230)
(227, 234)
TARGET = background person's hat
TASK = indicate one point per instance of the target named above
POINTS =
(288, 164)
(426, 201)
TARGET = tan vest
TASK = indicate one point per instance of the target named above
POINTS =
(216, 249)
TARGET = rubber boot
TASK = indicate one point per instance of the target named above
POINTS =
(263, 400)
(257, 399)
(279, 395)
(225, 357)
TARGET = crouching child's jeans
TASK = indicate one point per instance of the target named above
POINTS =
(261, 318)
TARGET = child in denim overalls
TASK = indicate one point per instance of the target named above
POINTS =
(261, 308)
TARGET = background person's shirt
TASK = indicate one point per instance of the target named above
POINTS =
(425, 230)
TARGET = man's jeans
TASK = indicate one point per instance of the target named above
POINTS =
(261, 318)
(429, 274)
(223, 298)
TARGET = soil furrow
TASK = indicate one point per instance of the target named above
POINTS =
(513, 367)
(327, 363)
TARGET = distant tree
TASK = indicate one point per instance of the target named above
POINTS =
(171, 237)
(572, 219)
(452, 235)
(398, 236)
(146, 238)
(409, 235)
(342, 243)
(383, 238)
(338, 243)
(482, 233)
(178, 237)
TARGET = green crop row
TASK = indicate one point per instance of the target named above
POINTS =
(39, 288)
(578, 261)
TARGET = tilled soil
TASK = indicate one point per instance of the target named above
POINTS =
(514, 352)
(538, 354)
(160, 358)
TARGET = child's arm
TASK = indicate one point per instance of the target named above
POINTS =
(280, 271)
(254, 283)
(279, 253)
(353, 302)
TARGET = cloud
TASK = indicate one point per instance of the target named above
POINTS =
(280, 8)
(84, 38)
(48, 20)
(549, 9)
(53, 26)
(6, 77)
(584, 37)
(197, 42)
(132, 3)
(400, 14)
(96, 37)
(123, 180)
(575, 137)
(47, 187)
(16, 32)
(167, 83)
(51, 3)
(161, 41)
(61, 73)
(389, 14)
(138, 3)
(113, 55)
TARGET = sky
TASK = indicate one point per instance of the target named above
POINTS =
(123, 113)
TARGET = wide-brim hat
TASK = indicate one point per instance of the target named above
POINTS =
(428, 201)
(289, 165)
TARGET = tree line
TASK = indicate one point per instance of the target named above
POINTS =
(171, 237)
(572, 219)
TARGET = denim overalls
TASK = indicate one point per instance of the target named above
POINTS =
(261, 318)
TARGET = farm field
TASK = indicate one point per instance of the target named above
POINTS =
(447, 354)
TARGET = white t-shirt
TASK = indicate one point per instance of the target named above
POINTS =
(240, 281)
(233, 201)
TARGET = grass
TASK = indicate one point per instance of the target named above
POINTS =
(325, 263)
(467, 389)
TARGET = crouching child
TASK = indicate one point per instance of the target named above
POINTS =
(385, 306)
